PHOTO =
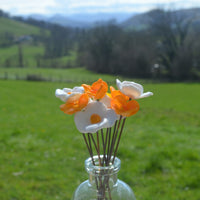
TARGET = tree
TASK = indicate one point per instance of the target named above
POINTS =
(20, 56)
(110, 49)
(99, 48)
(172, 32)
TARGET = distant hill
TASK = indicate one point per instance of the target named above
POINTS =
(67, 22)
(126, 20)
(83, 20)
(142, 21)
(102, 16)
(24, 43)
(17, 28)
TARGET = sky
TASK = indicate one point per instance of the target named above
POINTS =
(67, 7)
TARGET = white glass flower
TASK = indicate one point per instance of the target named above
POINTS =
(106, 100)
(95, 117)
(65, 93)
(132, 89)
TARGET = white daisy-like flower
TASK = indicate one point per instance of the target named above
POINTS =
(132, 89)
(65, 93)
(95, 117)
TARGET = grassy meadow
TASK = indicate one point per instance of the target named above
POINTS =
(42, 153)
(29, 52)
(32, 51)
(10, 55)
(77, 75)
(17, 28)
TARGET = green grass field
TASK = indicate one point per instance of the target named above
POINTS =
(74, 74)
(9, 55)
(17, 28)
(29, 55)
(42, 153)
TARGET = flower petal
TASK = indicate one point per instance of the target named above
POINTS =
(61, 95)
(111, 115)
(119, 84)
(106, 100)
(97, 90)
(65, 93)
(93, 128)
(78, 89)
(67, 90)
(124, 107)
(146, 94)
(76, 102)
(132, 89)
(100, 87)
(83, 119)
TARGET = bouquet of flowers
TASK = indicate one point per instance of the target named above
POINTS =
(100, 115)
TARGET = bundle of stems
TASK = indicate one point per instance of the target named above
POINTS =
(105, 145)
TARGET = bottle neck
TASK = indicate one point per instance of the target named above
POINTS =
(100, 176)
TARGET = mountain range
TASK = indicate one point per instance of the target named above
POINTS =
(143, 20)
(126, 20)
(83, 20)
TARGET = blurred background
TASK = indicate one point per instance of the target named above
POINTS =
(152, 39)
(50, 44)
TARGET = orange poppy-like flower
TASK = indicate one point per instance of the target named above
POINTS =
(75, 103)
(97, 90)
(115, 92)
(123, 105)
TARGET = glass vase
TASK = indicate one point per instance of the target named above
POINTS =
(103, 183)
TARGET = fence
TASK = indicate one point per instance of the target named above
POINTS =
(47, 78)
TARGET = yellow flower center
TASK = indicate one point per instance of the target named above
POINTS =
(95, 118)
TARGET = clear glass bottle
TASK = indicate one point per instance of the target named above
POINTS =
(103, 183)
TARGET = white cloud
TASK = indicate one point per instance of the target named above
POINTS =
(71, 6)
(25, 7)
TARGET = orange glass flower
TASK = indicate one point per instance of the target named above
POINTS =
(97, 90)
(123, 105)
(75, 103)
(115, 92)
